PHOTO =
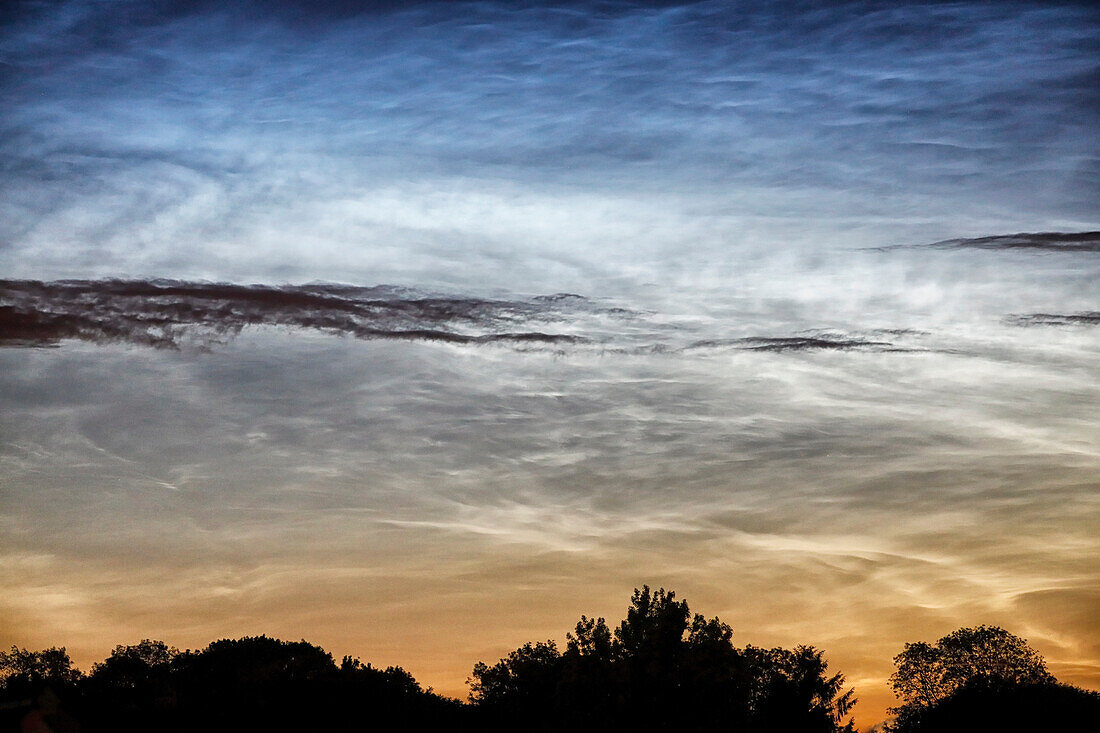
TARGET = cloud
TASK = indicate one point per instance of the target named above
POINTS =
(798, 343)
(1086, 318)
(539, 146)
(1044, 241)
(170, 314)
(1040, 241)
(381, 493)
(165, 314)
(726, 412)
(174, 314)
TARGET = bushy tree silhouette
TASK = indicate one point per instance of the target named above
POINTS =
(927, 673)
(660, 669)
(133, 687)
(35, 688)
(254, 683)
(589, 696)
(1026, 707)
(525, 686)
(791, 690)
(983, 678)
(22, 669)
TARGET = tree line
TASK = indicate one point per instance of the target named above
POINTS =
(661, 668)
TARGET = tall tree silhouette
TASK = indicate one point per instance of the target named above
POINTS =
(652, 656)
(793, 691)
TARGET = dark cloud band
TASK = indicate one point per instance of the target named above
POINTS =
(167, 313)
(1086, 318)
(797, 343)
(1052, 241)
(1044, 241)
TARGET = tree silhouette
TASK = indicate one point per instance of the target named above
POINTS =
(926, 673)
(986, 705)
(522, 686)
(254, 683)
(983, 677)
(792, 691)
(389, 698)
(20, 669)
(135, 666)
(715, 676)
(133, 687)
(660, 669)
(589, 687)
(35, 688)
(651, 656)
(654, 626)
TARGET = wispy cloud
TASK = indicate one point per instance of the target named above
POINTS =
(548, 146)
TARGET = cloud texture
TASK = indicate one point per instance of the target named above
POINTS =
(798, 367)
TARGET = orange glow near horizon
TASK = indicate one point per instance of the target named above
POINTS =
(437, 616)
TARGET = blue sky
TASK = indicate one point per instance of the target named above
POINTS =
(480, 145)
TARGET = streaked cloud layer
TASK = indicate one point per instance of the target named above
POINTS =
(544, 148)
(792, 309)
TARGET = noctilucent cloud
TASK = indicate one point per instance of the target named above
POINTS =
(419, 329)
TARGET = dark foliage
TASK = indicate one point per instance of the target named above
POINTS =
(1006, 708)
(23, 671)
(660, 669)
(984, 678)
(33, 685)
(250, 684)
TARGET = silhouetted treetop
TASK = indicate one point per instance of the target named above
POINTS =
(127, 664)
(524, 686)
(926, 673)
(655, 624)
(21, 668)
(984, 678)
(255, 683)
(590, 638)
(660, 669)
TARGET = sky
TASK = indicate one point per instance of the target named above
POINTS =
(417, 330)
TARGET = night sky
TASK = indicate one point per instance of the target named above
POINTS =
(418, 330)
